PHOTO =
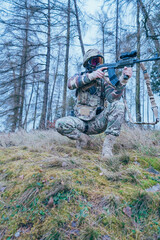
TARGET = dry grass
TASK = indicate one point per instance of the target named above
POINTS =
(49, 190)
(144, 141)
(37, 140)
(129, 174)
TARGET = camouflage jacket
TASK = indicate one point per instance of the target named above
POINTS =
(92, 96)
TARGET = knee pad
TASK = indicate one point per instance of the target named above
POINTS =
(64, 125)
(57, 125)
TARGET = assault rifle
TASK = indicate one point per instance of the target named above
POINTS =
(128, 59)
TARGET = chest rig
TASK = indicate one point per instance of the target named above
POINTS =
(90, 100)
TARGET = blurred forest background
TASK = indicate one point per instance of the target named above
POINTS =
(43, 42)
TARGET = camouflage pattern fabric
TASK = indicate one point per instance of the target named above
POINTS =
(92, 96)
(109, 120)
(91, 53)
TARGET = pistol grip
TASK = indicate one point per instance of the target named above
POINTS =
(126, 77)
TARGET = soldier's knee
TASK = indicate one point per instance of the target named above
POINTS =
(58, 125)
(118, 106)
(64, 125)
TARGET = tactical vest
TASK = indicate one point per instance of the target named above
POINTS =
(90, 100)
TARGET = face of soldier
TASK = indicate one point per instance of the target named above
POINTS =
(94, 61)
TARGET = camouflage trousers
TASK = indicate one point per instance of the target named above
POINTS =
(109, 120)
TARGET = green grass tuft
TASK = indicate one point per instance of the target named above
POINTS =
(49, 190)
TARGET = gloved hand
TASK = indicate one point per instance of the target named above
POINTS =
(126, 72)
(96, 74)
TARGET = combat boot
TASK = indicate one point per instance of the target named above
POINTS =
(108, 146)
(84, 141)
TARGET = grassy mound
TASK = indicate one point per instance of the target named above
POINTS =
(50, 190)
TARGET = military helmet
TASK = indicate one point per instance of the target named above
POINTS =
(89, 54)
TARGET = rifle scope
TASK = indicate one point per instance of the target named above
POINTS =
(128, 55)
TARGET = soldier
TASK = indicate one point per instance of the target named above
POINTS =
(98, 108)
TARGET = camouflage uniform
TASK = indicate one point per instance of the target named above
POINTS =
(98, 108)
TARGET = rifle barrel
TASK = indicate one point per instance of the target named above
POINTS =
(147, 60)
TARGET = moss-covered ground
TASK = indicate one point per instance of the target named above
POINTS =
(57, 192)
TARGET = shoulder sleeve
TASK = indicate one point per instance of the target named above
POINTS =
(78, 80)
(113, 93)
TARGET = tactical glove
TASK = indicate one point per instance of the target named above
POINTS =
(97, 74)
(126, 74)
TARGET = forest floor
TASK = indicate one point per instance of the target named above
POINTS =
(50, 190)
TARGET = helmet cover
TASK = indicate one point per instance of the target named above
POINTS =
(91, 53)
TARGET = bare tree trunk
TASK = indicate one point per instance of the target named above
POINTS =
(150, 26)
(15, 98)
(103, 40)
(57, 104)
(143, 102)
(148, 107)
(24, 67)
(79, 28)
(138, 102)
(54, 82)
(42, 124)
(117, 18)
(125, 99)
(16, 105)
(66, 62)
(132, 100)
(19, 116)
(35, 110)
(27, 111)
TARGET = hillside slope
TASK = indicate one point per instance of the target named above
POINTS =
(50, 190)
